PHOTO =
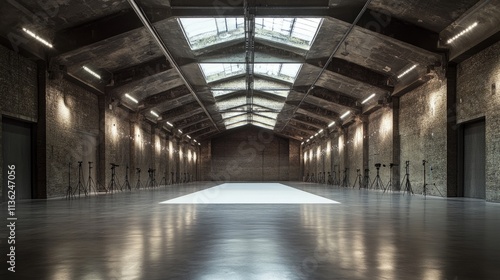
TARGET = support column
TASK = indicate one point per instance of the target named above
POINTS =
(40, 190)
(132, 149)
(452, 181)
(366, 143)
(396, 145)
(101, 146)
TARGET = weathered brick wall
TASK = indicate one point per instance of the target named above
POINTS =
(422, 127)
(18, 92)
(72, 133)
(119, 136)
(380, 142)
(478, 95)
(249, 154)
(355, 150)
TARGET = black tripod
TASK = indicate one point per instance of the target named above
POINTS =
(366, 179)
(164, 179)
(69, 191)
(389, 184)
(358, 179)
(377, 181)
(113, 184)
(90, 182)
(345, 181)
(425, 183)
(406, 180)
(172, 178)
(330, 179)
(138, 184)
(126, 184)
(80, 187)
(151, 178)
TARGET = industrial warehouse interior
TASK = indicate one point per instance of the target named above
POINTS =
(250, 139)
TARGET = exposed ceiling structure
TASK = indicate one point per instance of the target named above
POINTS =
(295, 67)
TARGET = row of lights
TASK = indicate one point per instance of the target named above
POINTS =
(131, 98)
(330, 125)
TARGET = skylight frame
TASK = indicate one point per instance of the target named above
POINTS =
(291, 32)
(209, 31)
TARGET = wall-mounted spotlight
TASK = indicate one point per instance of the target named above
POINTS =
(407, 71)
(467, 30)
(345, 114)
(131, 98)
(91, 72)
(155, 114)
(38, 38)
(368, 98)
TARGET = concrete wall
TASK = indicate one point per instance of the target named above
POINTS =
(250, 154)
(478, 95)
(18, 92)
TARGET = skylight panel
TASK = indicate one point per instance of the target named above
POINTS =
(231, 114)
(265, 120)
(218, 71)
(236, 119)
(297, 32)
(205, 32)
(236, 125)
(270, 115)
(231, 103)
(280, 93)
(268, 103)
(263, 125)
(282, 71)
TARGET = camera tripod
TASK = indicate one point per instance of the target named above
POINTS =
(80, 187)
(138, 184)
(330, 179)
(366, 179)
(113, 184)
(389, 184)
(406, 180)
(377, 181)
(345, 181)
(126, 184)
(151, 178)
(69, 191)
(164, 179)
(358, 179)
(172, 178)
(91, 185)
(425, 183)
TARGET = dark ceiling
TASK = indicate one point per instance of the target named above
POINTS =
(139, 48)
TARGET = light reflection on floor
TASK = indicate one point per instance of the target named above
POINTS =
(251, 193)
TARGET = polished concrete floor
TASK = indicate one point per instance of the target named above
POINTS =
(369, 235)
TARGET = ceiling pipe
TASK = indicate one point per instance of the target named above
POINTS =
(360, 14)
(149, 27)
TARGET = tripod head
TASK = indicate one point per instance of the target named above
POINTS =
(80, 162)
(114, 165)
(391, 165)
(407, 163)
(424, 162)
(378, 165)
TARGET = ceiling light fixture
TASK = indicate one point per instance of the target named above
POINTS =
(331, 124)
(311, 137)
(345, 114)
(91, 72)
(180, 131)
(41, 40)
(169, 124)
(307, 141)
(155, 114)
(195, 141)
(469, 28)
(367, 99)
(199, 144)
(320, 131)
(407, 71)
(131, 98)
(302, 143)
(189, 137)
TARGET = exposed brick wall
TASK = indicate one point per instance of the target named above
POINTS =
(380, 142)
(423, 135)
(249, 154)
(72, 133)
(476, 99)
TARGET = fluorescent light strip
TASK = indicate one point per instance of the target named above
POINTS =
(155, 114)
(195, 141)
(131, 98)
(41, 40)
(367, 99)
(311, 137)
(345, 114)
(302, 143)
(92, 72)
(169, 124)
(188, 136)
(307, 141)
(331, 124)
(199, 144)
(320, 131)
(180, 131)
(407, 71)
(462, 33)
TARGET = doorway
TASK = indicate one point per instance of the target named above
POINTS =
(474, 159)
(17, 149)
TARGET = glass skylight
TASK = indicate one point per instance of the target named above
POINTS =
(231, 103)
(270, 115)
(268, 103)
(204, 32)
(265, 120)
(231, 114)
(297, 32)
(236, 125)
(237, 119)
(286, 72)
(263, 125)
(218, 71)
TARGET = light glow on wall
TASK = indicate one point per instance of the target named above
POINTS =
(64, 112)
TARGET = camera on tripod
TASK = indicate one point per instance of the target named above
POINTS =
(114, 165)
(391, 165)
(378, 165)
(424, 162)
(80, 162)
